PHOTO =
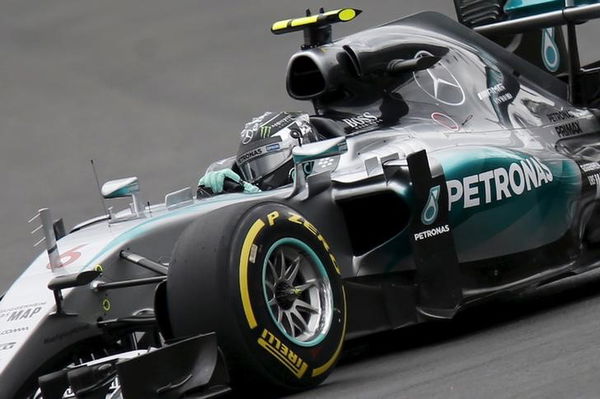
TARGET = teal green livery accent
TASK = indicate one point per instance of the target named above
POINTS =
(507, 199)
(150, 223)
(550, 51)
(304, 158)
(323, 149)
(125, 191)
(430, 212)
(524, 8)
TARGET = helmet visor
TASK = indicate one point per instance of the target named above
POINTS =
(255, 167)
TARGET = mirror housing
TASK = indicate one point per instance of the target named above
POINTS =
(320, 149)
(304, 157)
(126, 187)
(120, 188)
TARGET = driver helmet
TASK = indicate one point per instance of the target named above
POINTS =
(265, 154)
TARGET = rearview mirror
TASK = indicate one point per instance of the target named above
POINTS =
(318, 150)
(126, 187)
(119, 188)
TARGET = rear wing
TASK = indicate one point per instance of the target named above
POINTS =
(532, 30)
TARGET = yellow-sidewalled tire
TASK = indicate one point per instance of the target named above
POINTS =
(219, 281)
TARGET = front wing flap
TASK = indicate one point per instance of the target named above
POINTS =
(190, 368)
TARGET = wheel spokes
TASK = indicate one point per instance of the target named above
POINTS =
(303, 325)
(303, 287)
(292, 271)
(282, 263)
(300, 305)
(291, 323)
(270, 285)
(296, 293)
(273, 270)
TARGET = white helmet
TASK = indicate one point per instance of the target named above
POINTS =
(265, 153)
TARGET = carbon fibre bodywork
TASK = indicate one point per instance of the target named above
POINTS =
(467, 179)
(508, 143)
(477, 113)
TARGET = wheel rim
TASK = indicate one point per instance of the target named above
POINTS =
(297, 292)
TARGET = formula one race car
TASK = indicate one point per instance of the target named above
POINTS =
(455, 168)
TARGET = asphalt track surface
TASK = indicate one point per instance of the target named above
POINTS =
(159, 89)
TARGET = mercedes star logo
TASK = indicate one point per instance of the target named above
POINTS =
(247, 135)
(439, 83)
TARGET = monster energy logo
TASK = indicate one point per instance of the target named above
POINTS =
(430, 212)
(265, 131)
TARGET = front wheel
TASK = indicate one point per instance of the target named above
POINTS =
(270, 286)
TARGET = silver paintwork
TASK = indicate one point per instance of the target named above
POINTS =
(320, 149)
(47, 229)
(125, 187)
(120, 187)
(36, 336)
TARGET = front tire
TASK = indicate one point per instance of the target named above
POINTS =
(266, 280)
